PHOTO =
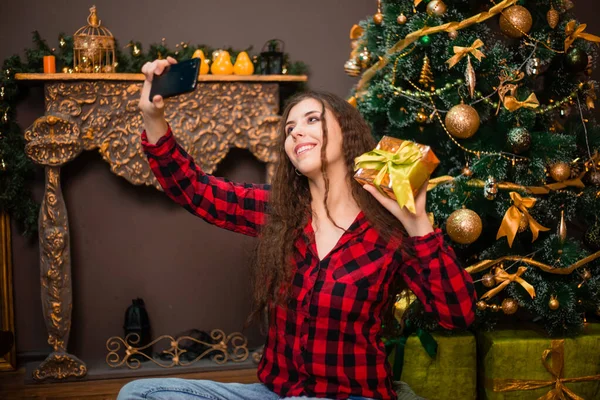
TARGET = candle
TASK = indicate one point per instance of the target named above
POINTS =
(49, 64)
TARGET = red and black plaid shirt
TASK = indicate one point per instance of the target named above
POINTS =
(326, 342)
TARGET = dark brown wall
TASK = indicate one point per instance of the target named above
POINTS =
(131, 241)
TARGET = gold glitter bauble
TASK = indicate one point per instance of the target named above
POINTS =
(436, 7)
(553, 304)
(464, 226)
(510, 306)
(488, 280)
(401, 19)
(481, 305)
(515, 21)
(523, 223)
(560, 171)
(453, 34)
(462, 121)
(378, 18)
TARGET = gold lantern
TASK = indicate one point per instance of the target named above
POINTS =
(94, 47)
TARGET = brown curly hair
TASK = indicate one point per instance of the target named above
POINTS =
(290, 198)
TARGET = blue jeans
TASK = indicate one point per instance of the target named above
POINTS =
(188, 389)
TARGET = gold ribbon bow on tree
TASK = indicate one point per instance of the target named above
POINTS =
(401, 166)
(512, 219)
(505, 278)
(461, 52)
(556, 353)
(512, 104)
(577, 33)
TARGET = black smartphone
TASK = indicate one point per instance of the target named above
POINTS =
(176, 79)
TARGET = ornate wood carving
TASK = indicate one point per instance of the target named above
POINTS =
(104, 115)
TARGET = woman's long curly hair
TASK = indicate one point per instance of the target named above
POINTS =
(290, 199)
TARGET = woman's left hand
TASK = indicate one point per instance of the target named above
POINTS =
(416, 224)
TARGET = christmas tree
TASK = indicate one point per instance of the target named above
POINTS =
(501, 91)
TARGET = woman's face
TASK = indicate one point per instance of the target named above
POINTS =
(304, 138)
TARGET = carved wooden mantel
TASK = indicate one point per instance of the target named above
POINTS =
(100, 111)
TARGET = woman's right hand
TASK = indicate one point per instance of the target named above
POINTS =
(153, 111)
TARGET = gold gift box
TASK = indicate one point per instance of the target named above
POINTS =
(416, 169)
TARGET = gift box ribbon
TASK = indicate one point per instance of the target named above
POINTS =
(427, 341)
(400, 166)
(556, 354)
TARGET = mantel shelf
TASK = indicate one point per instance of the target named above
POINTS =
(140, 77)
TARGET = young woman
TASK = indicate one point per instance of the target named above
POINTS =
(330, 256)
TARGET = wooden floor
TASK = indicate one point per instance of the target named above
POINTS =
(12, 385)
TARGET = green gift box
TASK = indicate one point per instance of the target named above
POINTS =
(524, 364)
(451, 374)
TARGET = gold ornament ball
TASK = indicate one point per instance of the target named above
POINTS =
(494, 307)
(453, 34)
(510, 306)
(553, 304)
(560, 171)
(467, 171)
(462, 121)
(553, 17)
(464, 226)
(401, 19)
(515, 21)
(378, 18)
(488, 280)
(481, 305)
(352, 68)
(436, 8)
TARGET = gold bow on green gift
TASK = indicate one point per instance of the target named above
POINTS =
(512, 219)
(401, 171)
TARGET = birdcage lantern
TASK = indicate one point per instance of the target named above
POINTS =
(94, 47)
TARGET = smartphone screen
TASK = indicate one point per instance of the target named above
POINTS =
(177, 79)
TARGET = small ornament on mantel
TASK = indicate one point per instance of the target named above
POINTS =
(94, 47)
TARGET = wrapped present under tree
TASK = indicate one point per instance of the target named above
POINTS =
(524, 364)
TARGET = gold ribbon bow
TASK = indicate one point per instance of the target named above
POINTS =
(461, 52)
(400, 166)
(512, 219)
(512, 104)
(576, 33)
(505, 278)
(559, 392)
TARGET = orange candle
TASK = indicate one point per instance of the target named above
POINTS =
(49, 64)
